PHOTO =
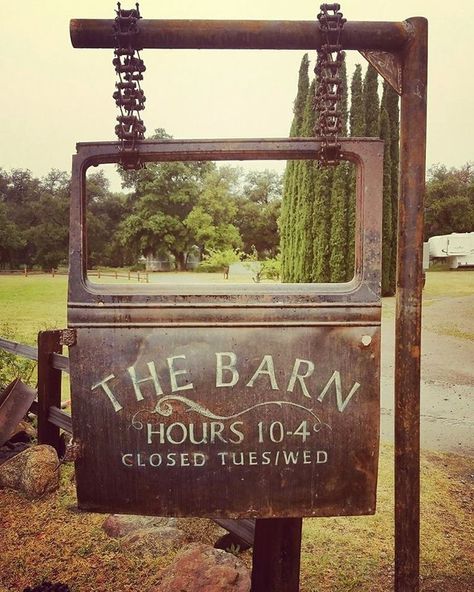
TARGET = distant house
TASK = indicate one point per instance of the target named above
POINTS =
(457, 249)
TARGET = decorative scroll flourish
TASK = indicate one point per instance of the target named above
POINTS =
(164, 407)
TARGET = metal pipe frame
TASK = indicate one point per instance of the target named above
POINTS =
(408, 42)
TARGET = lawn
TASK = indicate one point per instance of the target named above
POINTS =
(38, 302)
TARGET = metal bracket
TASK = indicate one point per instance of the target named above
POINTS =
(388, 65)
(68, 337)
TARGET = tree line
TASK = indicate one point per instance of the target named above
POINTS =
(169, 210)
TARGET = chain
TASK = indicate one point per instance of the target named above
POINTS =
(329, 83)
(129, 96)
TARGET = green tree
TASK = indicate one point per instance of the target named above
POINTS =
(449, 204)
(164, 196)
(11, 239)
(357, 129)
(371, 102)
(338, 236)
(289, 219)
(307, 171)
(211, 219)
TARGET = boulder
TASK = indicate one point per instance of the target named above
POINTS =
(119, 525)
(201, 568)
(156, 540)
(34, 472)
(24, 432)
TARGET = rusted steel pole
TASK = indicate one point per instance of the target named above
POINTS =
(408, 309)
(214, 34)
(276, 555)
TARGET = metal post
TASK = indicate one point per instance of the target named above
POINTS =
(276, 555)
(408, 310)
(49, 387)
(234, 34)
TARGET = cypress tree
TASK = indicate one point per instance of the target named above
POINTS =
(289, 217)
(390, 100)
(322, 225)
(357, 129)
(371, 103)
(356, 117)
(308, 171)
(387, 202)
(338, 236)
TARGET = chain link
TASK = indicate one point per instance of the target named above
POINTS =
(329, 84)
(129, 96)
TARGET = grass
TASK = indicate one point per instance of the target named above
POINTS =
(451, 284)
(49, 538)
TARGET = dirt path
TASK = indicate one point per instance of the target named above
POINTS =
(447, 387)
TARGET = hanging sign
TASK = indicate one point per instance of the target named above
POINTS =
(234, 401)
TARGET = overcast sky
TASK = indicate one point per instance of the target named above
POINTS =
(54, 96)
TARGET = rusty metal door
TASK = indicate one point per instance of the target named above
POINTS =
(236, 401)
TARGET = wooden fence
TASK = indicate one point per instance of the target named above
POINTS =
(51, 364)
(139, 276)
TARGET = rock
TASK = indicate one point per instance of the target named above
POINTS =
(156, 540)
(24, 432)
(201, 568)
(33, 472)
(119, 525)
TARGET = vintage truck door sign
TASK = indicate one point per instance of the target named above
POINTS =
(230, 400)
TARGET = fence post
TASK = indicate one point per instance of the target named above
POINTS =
(276, 555)
(49, 386)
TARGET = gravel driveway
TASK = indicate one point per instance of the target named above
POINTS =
(447, 387)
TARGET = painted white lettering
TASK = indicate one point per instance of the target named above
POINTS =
(139, 461)
(184, 456)
(306, 457)
(108, 392)
(199, 456)
(192, 436)
(238, 433)
(296, 376)
(171, 459)
(174, 373)
(266, 367)
(229, 367)
(128, 462)
(222, 456)
(137, 382)
(266, 458)
(253, 458)
(336, 379)
(290, 457)
(178, 439)
(150, 432)
(155, 459)
(216, 430)
(321, 457)
(238, 458)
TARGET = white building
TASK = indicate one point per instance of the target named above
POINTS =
(457, 248)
